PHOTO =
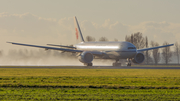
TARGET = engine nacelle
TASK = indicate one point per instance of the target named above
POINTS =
(139, 58)
(86, 57)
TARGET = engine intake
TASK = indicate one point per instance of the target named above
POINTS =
(86, 57)
(139, 58)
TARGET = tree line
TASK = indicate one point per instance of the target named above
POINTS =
(152, 56)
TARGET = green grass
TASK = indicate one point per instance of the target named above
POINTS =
(93, 82)
(22, 72)
(89, 84)
(90, 78)
(87, 94)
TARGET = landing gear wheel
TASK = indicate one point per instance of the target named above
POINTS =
(129, 62)
(116, 64)
(88, 64)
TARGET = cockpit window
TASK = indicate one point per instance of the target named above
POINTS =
(131, 47)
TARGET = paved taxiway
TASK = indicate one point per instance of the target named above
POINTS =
(93, 67)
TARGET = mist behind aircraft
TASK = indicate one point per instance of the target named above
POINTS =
(51, 57)
(42, 57)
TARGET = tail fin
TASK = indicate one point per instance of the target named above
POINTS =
(78, 30)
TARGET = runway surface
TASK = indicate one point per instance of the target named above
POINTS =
(94, 67)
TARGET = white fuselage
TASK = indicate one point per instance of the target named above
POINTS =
(120, 50)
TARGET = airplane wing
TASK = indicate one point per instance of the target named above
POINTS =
(46, 47)
(60, 49)
(145, 49)
(62, 46)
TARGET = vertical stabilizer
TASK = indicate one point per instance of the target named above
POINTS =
(78, 30)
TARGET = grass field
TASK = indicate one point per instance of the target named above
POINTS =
(89, 84)
(87, 94)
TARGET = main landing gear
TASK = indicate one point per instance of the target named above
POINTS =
(88, 64)
(128, 62)
(117, 63)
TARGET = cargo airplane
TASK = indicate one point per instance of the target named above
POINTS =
(87, 51)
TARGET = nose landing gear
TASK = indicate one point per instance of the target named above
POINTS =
(128, 62)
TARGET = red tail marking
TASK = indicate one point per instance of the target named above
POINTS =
(76, 33)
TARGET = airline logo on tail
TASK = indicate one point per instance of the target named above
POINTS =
(78, 30)
(76, 33)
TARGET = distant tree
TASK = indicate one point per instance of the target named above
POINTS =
(128, 38)
(155, 52)
(90, 38)
(103, 39)
(177, 50)
(132, 38)
(148, 58)
(166, 53)
(147, 55)
(137, 39)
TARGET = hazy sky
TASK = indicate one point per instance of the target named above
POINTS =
(51, 21)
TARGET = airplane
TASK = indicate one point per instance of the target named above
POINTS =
(87, 51)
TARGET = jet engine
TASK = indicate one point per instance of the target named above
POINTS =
(86, 57)
(139, 58)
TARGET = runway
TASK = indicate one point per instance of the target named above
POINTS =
(94, 67)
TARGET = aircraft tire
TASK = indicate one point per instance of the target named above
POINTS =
(116, 64)
(129, 64)
(88, 64)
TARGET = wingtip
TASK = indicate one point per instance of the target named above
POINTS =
(171, 44)
(9, 42)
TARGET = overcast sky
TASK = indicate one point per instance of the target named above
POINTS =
(51, 21)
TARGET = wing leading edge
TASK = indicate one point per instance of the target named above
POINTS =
(46, 47)
(145, 49)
